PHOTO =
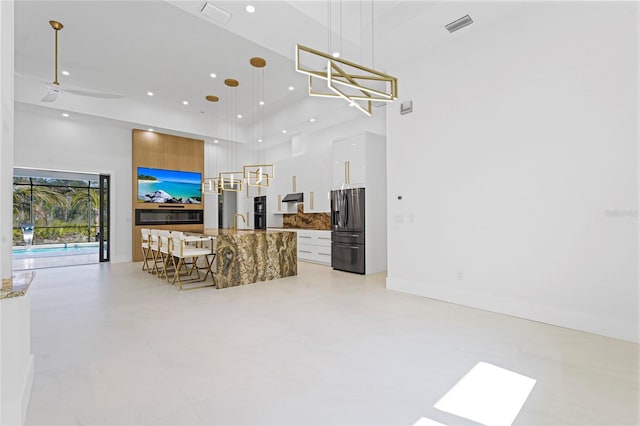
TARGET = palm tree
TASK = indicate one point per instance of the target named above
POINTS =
(87, 201)
(31, 202)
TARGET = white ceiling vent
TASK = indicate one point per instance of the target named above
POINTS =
(459, 23)
(215, 13)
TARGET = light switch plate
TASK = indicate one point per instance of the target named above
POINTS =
(406, 107)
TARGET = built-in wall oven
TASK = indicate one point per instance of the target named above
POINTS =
(260, 212)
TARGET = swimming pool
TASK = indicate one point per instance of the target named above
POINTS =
(55, 250)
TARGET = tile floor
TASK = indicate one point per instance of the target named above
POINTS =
(116, 346)
(39, 261)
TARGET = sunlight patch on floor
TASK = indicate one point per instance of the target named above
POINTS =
(488, 394)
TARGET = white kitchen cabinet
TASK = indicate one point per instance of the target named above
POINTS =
(302, 169)
(349, 162)
(317, 182)
(283, 185)
(318, 200)
(356, 159)
(314, 246)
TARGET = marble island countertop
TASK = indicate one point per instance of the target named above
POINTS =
(18, 286)
(246, 256)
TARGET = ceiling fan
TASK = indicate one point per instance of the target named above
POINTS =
(55, 89)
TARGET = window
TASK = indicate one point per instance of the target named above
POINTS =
(60, 210)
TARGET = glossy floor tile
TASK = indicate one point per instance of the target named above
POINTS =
(116, 346)
(28, 261)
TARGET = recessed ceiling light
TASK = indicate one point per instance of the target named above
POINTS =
(259, 140)
(261, 103)
(312, 120)
(64, 114)
(290, 88)
(250, 8)
(65, 72)
(213, 75)
(150, 129)
(216, 141)
(336, 54)
(185, 102)
(284, 131)
(149, 93)
(239, 115)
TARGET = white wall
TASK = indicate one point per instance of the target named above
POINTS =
(323, 137)
(518, 167)
(58, 143)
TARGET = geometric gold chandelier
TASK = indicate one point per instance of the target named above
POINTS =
(335, 77)
(258, 175)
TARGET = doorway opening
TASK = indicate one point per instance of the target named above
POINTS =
(59, 218)
(227, 207)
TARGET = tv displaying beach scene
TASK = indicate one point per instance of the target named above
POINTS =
(169, 186)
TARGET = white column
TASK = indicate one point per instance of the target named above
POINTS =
(6, 136)
(16, 361)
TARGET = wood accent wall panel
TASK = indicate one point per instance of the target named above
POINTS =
(160, 151)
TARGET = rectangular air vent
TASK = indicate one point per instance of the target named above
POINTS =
(215, 13)
(459, 23)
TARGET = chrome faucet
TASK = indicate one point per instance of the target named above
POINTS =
(235, 216)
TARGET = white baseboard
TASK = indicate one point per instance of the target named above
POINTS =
(577, 320)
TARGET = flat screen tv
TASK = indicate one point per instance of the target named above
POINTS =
(169, 186)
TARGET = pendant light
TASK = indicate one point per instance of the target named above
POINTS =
(231, 181)
(258, 175)
(212, 184)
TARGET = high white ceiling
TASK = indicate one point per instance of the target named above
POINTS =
(171, 48)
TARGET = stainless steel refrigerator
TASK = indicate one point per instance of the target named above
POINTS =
(348, 230)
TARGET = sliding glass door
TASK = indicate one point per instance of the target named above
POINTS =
(103, 225)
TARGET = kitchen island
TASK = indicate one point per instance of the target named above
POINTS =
(249, 256)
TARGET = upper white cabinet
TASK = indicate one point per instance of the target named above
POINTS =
(356, 159)
(349, 162)
(283, 184)
(310, 174)
(317, 181)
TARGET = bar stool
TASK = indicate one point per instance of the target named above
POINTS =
(188, 250)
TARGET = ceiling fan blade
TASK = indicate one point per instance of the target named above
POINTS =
(51, 95)
(94, 94)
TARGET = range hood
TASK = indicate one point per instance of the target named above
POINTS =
(293, 198)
